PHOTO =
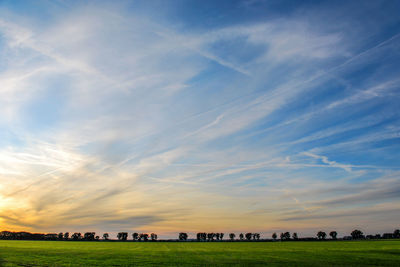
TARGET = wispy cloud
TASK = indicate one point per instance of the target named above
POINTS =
(325, 160)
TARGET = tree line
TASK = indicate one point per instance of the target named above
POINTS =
(201, 237)
(88, 236)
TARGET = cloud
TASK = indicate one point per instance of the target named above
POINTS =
(380, 90)
(360, 212)
(325, 160)
(386, 193)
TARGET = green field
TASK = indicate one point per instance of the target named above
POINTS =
(66, 253)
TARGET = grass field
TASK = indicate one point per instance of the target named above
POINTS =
(62, 253)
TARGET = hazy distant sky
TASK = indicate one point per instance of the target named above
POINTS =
(229, 116)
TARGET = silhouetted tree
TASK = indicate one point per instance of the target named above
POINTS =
(106, 236)
(144, 237)
(19, 235)
(396, 233)
(285, 236)
(248, 236)
(89, 236)
(256, 236)
(232, 236)
(333, 234)
(221, 235)
(37, 236)
(24, 236)
(28, 236)
(76, 236)
(217, 236)
(274, 236)
(60, 236)
(201, 236)
(241, 236)
(66, 236)
(294, 236)
(153, 237)
(210, 236)
(183, 236)
(7, 235)
(135, 236)
(97, 238)
(357, 234)
(123, 236)
(321, 235)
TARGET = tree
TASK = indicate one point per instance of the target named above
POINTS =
(6, 235)
(201, 236)
(66, 236)
(248, 236)
(294, 236)
(274, 236)
(396, 233)
(221, 235)
(135, 236)
(122, 236)
(97, 238)
(183, 236)
(153, 237)
(89, 236)
(333, 234)
(76, 236)
(210, 236)
(285, 236)
(256, 236)
(241, 236)
(204, 235)
(321, 235)
(60, 236)
(144, 237)
(357, 234)
(106, 236)
(232, 236)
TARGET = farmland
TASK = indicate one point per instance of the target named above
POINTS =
(70, 253)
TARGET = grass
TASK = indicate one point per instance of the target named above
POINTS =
(335, 253)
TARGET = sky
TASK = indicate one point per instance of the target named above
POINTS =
(200, 116)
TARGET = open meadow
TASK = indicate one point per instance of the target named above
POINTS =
(70, 253)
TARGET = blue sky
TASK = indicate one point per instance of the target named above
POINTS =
(164, 116)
